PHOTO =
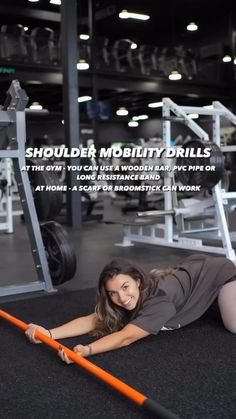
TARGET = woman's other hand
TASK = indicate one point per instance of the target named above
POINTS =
(30, 332)
(61, 353)
(78, 349)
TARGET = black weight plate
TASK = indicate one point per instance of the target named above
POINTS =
(4, 140)
(47, 203)
(42, 199)
(57, 196)
(60, 254)
(206, 179)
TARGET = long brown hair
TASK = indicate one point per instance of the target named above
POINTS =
(111, 317)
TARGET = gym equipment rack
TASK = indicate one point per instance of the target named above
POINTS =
(12, 116)
(166, 234)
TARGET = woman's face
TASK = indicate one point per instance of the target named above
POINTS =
(124, 291)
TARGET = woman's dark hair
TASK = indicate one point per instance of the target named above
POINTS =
(111, 317)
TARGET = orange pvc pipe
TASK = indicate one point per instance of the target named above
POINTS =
(108, 378)
(78, 359)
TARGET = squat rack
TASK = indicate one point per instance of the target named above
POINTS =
(165, 234)
(12, 117)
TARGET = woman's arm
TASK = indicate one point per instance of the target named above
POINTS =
(129, 334)
(76, 327)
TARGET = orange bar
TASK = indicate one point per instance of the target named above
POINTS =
(83, 362)
(147, 404)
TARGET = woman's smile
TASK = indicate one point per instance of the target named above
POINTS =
(123, 291)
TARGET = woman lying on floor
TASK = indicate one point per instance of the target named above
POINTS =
(132, 305)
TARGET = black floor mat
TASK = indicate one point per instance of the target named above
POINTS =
(190, 371)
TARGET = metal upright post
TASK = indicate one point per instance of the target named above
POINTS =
(28, 205)
(92, 37)
(167, 179)
(70, 104)
(225, 235)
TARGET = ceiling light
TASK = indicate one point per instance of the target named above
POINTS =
(133, 124)
(34, 82)
(193, 115)
(62, 121)
(57, 2)
(155, 105)
(226, 58)
(143, 117)
(193, 95)
(84, 36)
(82, 65)
(33, 1)
(26, 28)
(192, 26)
(84, 98)
(122, 111)
(36, 106)
(140, 117)
(124, 14)
(133, 44)
(175, 75)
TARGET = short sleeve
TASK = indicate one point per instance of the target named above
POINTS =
(154, 313)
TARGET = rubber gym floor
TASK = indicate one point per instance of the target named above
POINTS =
(190, 371)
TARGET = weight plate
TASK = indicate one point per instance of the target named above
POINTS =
(48, 204)
(56, 198)
(206, 179)
(60, 254)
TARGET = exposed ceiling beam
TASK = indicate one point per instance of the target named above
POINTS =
(121, 83)
(27, 12)
(46, 15)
